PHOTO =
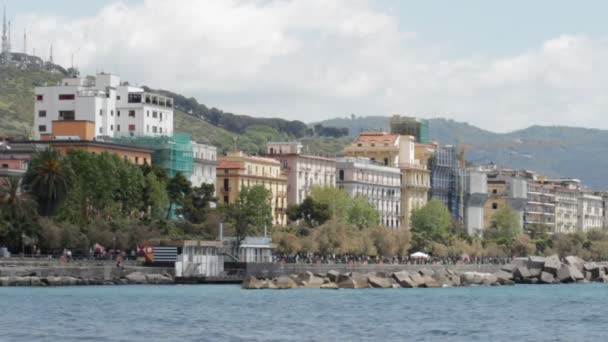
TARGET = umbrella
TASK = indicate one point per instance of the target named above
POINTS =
(419, 255)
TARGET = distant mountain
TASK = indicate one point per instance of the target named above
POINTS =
(552, 151)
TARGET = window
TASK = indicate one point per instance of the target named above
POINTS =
(494, 191)
(112, 112)
(160, 129)
(117, 128)
(226, 199)
(385, 161)
(111, 127)
(132, 113)
(154, 115)
(39, 97)
(160, 114)
(494, 205)
(5, 166)
(117, 97)
(117, 113)
(67, 115)
(66, 97)
(146, 161)
(136, 160)
(153, 129)
(131, 128)
(101, 112)
(147, 113)
(226, 184)
(134, 98)
(42, 113)
(42, 128)
(100, 130)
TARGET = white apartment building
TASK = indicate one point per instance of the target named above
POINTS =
(380, 184)
(566, 210)
(590, 212)
(303, 171)
(115, 107)
(205, 164)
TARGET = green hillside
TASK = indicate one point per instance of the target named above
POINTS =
(17, 98)
(252, 134)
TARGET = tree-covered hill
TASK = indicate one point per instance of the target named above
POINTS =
(213, 126)
(550, 150)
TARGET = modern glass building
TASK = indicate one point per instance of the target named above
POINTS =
(447, 180)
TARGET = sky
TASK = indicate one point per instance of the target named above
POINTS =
(501, 66)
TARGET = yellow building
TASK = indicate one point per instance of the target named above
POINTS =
(410, 157)
(238, 170)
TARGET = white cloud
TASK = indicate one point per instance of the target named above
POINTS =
(314, 59)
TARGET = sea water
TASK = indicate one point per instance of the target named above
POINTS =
(227, 313)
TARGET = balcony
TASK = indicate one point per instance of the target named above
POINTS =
(226, 189)
(413, 166)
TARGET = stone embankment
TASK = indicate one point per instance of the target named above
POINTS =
(531, 270)
(131, 278)
(17, 272)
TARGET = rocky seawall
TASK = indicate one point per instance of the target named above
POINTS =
(531, 270)
(24, 273)
(132, 278)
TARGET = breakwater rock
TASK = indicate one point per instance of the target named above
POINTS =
(530, 270)
(131, 278)
(552, 270)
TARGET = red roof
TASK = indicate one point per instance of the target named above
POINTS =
(377, 137)
(226, 164)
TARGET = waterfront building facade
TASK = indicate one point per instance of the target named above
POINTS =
(506, 188)
(446, 180)
(303, 171)
(114, 108)
(380, 184)
(540, 207)
(238, 170)
(590, 212)
(476, 196)
(204, 164)
(401, 152)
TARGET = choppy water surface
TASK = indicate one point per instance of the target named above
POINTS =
(227, 313)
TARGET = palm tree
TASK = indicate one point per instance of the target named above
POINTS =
(47, 180)
(18, 213)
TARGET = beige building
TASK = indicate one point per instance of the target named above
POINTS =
(403, 152)
(237, 170)
(303, 171)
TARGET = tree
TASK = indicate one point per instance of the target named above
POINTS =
(251, 210)
(505, 226)
(47, 179)
(523, 246)
(361, 213)
(197, 202)
(155, 199)
(311, 211)
(431, 223)
(337, 200)
(177, 189)
(18, 214)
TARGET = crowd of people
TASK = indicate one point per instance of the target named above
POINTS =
(365, 259)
